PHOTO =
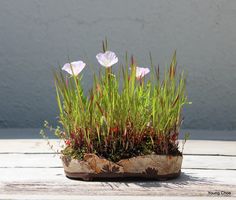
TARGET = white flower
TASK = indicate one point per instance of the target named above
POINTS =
(107, 59)
(141, 72)
(74, 68)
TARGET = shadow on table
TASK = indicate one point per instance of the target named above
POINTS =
(182, 180)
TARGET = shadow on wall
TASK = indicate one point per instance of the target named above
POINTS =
(35, 35)
(29, 133)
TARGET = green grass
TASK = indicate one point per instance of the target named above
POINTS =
(122, 116)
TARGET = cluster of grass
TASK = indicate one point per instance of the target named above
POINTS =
(122, 116)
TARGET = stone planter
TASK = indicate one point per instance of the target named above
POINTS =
(92, 167)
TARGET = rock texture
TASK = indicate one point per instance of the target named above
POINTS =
(163, 165)
(149, 166)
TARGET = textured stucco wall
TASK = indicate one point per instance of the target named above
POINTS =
(36, 35)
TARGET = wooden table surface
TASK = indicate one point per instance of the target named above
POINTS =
(29, 169)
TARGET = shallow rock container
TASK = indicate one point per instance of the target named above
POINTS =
(92, 167)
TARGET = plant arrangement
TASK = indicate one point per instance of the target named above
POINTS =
(126, 116)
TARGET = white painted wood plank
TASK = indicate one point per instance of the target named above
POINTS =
(28, 146)
(103, 197)
(210, 147)
(204, 147)
(52, 181)
(23, 175)
(209, 162)
(30, 160)
(190, 176)
(53, 160)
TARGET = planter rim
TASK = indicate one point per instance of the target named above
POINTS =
(161, 155)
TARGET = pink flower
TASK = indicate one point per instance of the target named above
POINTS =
(74, 68)
(107, 59)
(141, 72)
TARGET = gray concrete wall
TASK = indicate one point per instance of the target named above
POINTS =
(36, 35)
